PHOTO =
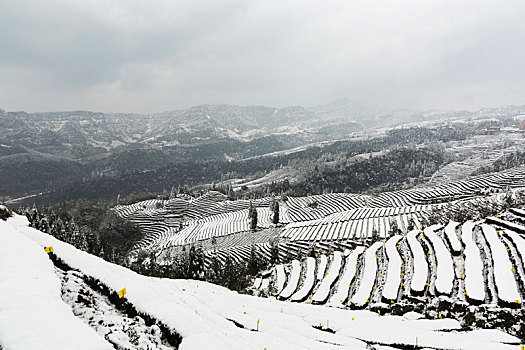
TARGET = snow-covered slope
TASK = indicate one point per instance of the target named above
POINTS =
(33, 316)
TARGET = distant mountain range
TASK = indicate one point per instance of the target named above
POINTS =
(40, 152)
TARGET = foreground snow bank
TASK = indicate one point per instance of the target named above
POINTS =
(209, 316)
(32, 313)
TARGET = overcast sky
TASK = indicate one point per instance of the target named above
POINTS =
(151, 56)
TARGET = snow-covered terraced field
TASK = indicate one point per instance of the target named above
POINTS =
(350, 279)
(358, 223)
(185, 220)
(347, 277)
(368, 277)
(445, 266)
(506, 286)
(420, 268)
(308, 283)
(202, 315)
(321, 295)
(474, 282)
(393, 277)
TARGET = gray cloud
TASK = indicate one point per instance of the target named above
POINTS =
(149, 56)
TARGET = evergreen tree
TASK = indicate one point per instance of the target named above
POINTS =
(313, 251)
(274, 207)
(252, 216)
(196, 263)
(153, 267)
(257, 262)
(274, 251)
(411, 224)
(375, 236)
(230, 193)
(214, 271)
(394, 229)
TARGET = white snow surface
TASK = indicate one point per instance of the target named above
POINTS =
(503, 270)
(308, 284)
(518, 241)
(347, 277)
(368, 276)
(32, 313)
(474, 284)
(450, 232)
(321, 268)
(393, 276)
(293, 281)
(33, 316)
(445, 265)
(280, 278)
(322, 292)
(420, 276)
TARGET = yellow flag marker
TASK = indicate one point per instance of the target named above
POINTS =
(440, 316)
(245, 312)
(428, 284)
(378, 311)
(349, 286)
(341, 300)
(465, 293)
(402, 284)
(392, 301)
(49, 249)
(122, 293)
(352, 318)
(517, 301)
